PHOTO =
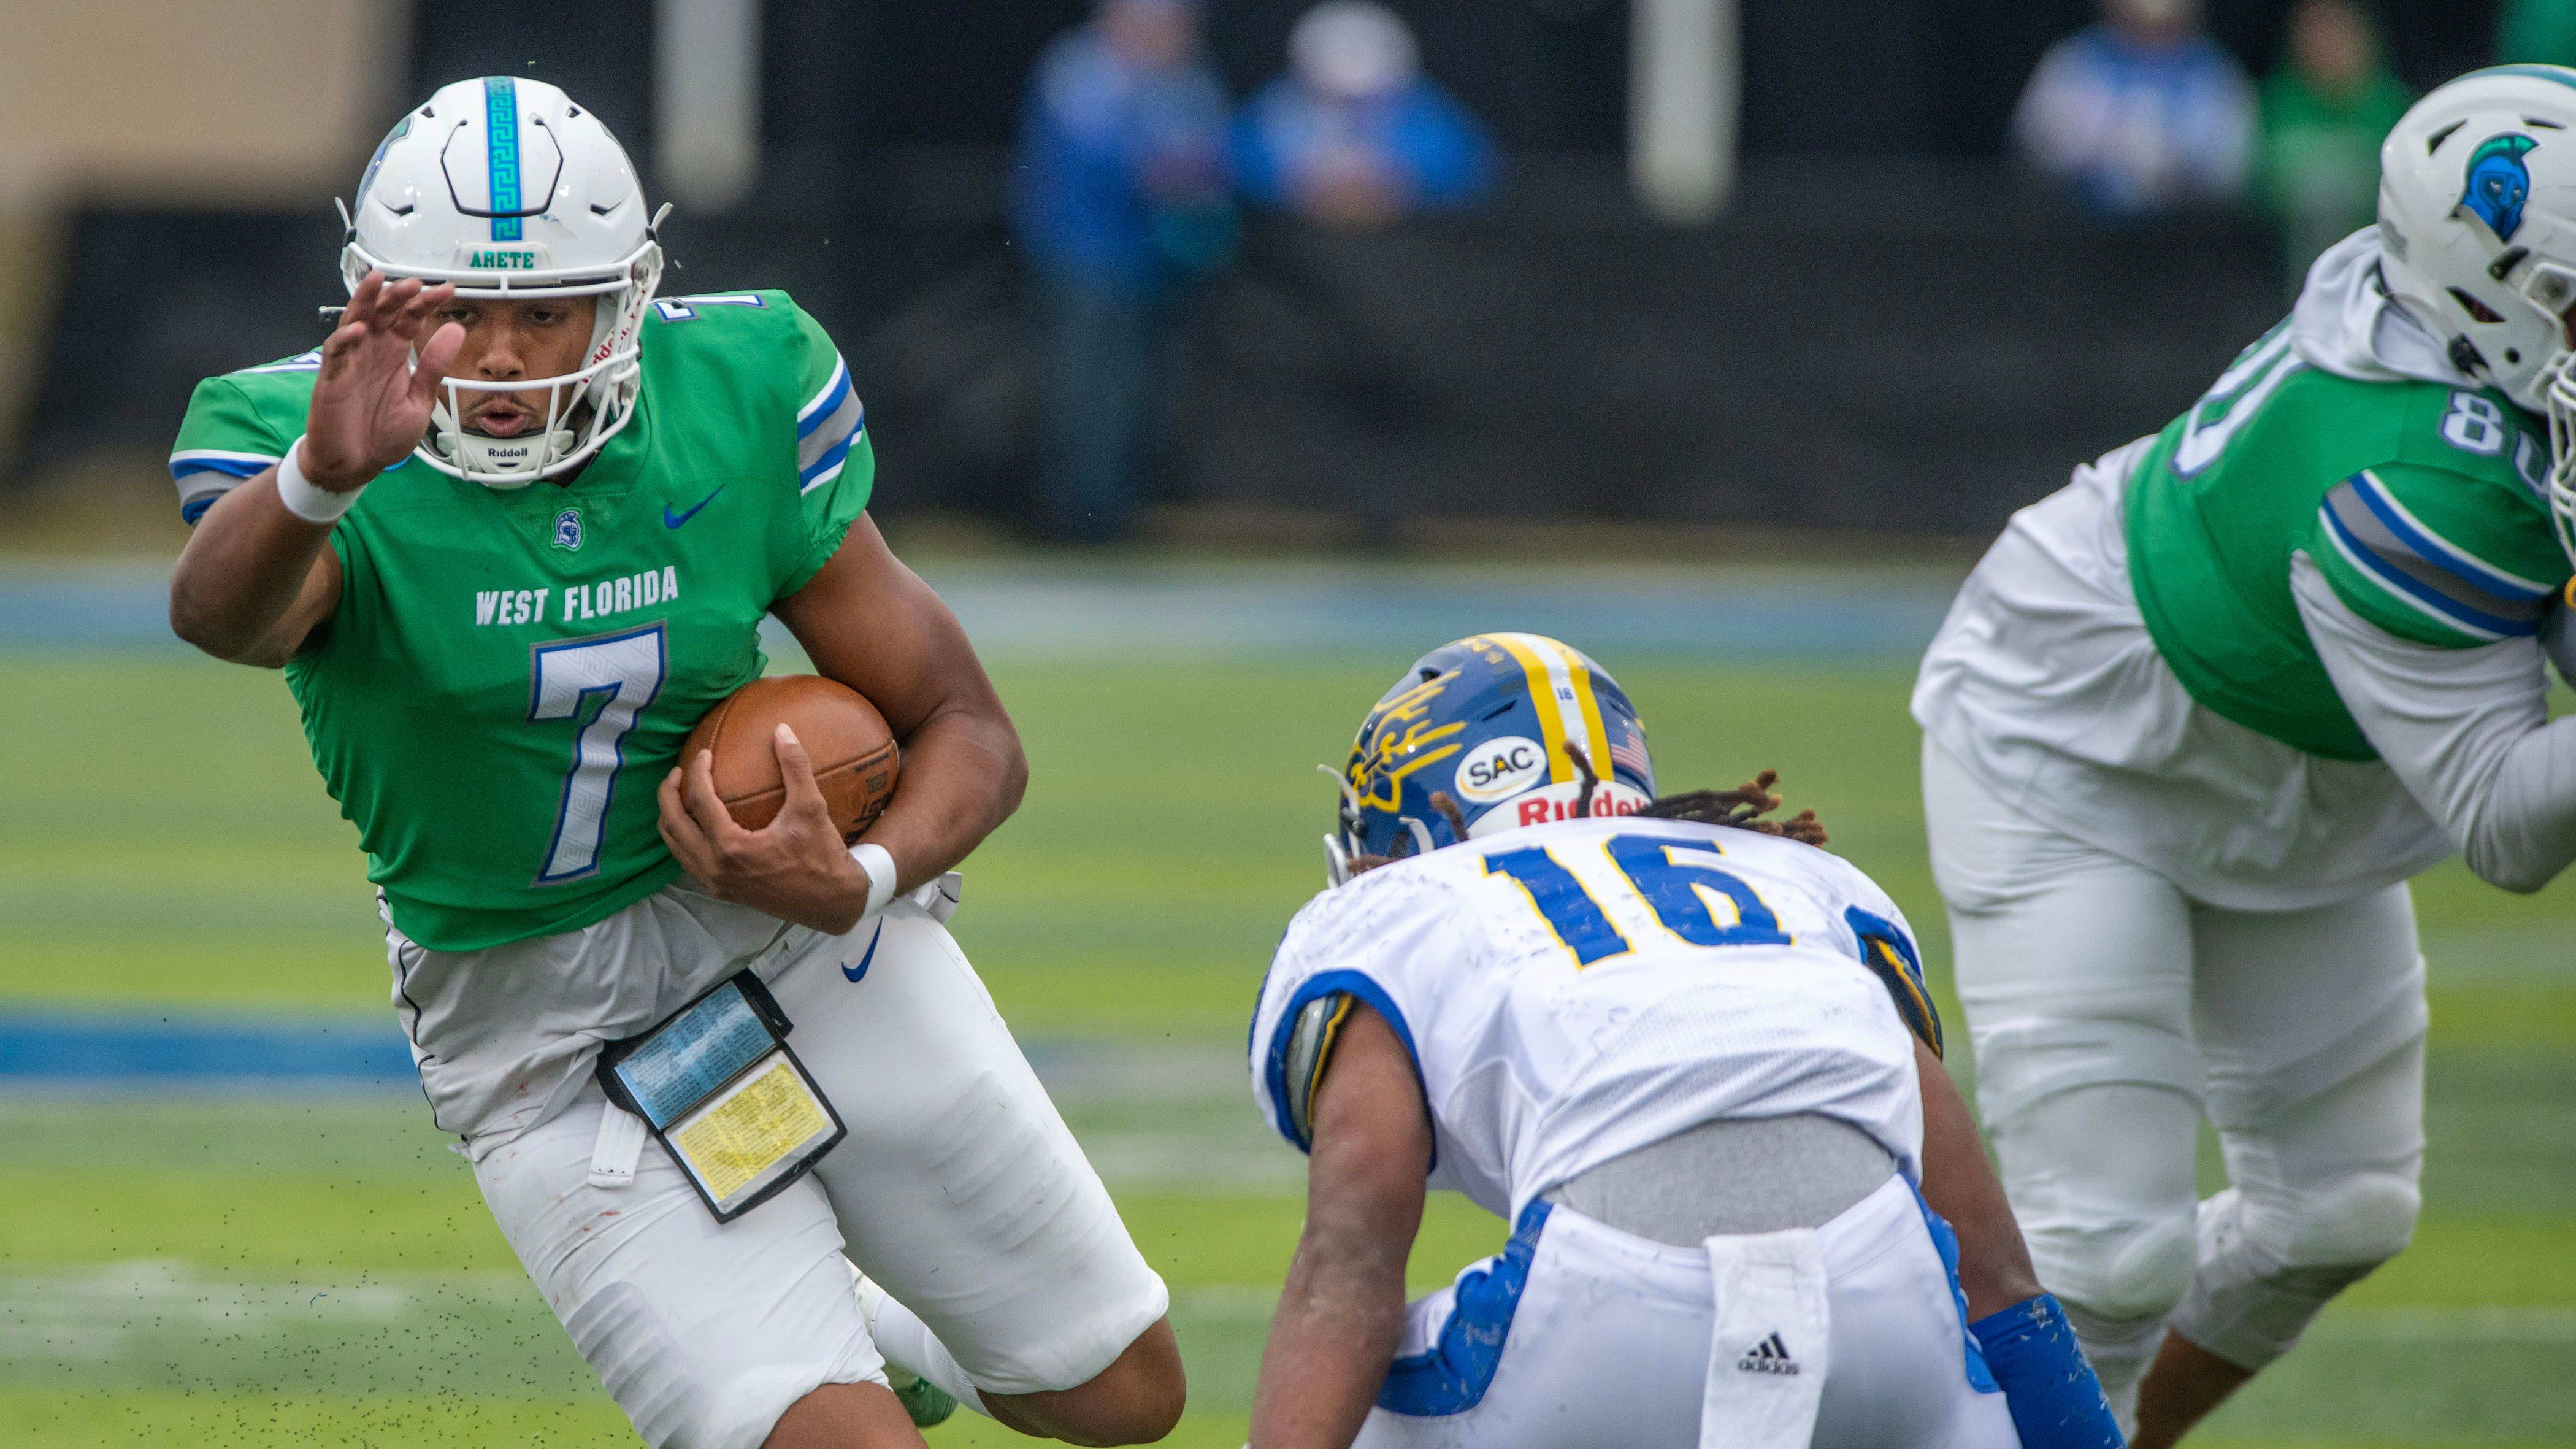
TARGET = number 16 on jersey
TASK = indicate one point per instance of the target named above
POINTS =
(1670, 887)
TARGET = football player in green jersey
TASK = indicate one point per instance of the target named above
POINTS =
(2196, 718)
(510, 532)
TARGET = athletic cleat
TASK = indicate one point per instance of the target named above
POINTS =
(927, 1403)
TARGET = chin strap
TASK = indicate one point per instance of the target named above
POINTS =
(475, 452)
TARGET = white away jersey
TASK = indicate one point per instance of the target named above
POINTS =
(1574, 991)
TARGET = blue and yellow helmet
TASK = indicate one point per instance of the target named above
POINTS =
(1496, 723)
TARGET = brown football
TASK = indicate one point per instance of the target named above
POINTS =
(853, 752)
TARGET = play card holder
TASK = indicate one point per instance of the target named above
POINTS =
(719, 1087)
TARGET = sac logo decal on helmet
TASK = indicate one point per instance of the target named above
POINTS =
(2499, 183)
(1509, 729)
(506, 188)
(1499, 769)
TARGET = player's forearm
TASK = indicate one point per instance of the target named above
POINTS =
(1340, 1317)
(2466, 731)
(236, 590)
(2522, 832)
(963, 775)
(1995, 1270)
(1341, 1313)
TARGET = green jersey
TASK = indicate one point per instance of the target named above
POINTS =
(2420, 503)
(510, 673)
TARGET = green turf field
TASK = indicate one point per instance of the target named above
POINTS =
(316, 1269)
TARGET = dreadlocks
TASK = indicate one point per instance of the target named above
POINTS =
(1450, 812)
(1741, 808)
(1738, 807)
(1588, 782)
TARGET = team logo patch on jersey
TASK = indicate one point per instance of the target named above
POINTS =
(1500, 769)
(568, 529)
(2499, 183)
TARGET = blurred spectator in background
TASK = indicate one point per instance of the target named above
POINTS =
(2326, 108)
(2141, 115)
(2542, 31)
(1354, 135)
(1119, 203)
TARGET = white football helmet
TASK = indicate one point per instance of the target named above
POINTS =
(2477, 227)
(508, 189)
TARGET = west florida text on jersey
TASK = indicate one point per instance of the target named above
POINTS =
(576, 603)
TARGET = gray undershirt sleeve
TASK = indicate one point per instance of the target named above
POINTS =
(2466, 730)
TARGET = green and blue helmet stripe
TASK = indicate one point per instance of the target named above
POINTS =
(501, 120)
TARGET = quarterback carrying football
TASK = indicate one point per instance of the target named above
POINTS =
(2197, 717)
(510, 532)
(1685, 1053)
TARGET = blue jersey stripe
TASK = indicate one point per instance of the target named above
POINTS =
(239, 465)
(829, 402)
(826, 448)
(501, 124)
(2363, 517)
(824, 468)
(2435, 550)
(1274, 1062)
(2397, 581)
(1452, 1375)
(1900, 970)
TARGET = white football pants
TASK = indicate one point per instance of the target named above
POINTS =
(1599, 1339)
(2110, 1012)
(958, 1189)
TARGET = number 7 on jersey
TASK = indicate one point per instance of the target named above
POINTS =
(623, 672)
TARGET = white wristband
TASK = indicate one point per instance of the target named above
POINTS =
(303, 499)
(879, 864)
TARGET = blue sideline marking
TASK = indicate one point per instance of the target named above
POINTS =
(1857, 616)
(82, 1047)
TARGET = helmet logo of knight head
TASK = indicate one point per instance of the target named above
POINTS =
(568, 529)
(2499, 183)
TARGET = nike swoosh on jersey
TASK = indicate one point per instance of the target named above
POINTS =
(860, 971)
(674, 520)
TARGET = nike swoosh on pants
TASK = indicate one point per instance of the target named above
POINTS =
(861, 970)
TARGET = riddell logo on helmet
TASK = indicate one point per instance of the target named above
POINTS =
(1556, 802)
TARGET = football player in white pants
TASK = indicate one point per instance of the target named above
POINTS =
(1685, 1053)
(651, 477)
(2197, 717)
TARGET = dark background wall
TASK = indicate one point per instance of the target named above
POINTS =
(1884, 330)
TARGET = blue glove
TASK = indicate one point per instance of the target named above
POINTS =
(2056, 1401)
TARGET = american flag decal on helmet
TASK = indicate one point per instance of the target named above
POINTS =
(1628, 747)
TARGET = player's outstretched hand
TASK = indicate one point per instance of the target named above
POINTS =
(372, 402)
(794, 868)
